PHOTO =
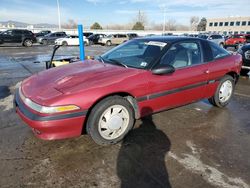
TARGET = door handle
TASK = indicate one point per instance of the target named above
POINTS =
(207, 71)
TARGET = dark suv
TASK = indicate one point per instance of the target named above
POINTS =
(23, 36)
(50, 38)
(95, 38)
(245, 52)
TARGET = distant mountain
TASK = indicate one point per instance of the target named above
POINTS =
(45, 25)
(24, 25)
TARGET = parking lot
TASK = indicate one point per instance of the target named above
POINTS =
(196, 145)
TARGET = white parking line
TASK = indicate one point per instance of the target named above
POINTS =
(242, 95)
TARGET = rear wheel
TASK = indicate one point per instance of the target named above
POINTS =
(64, 43)
(224, 92)
(110, 120)
(27, 43)
(108, 43)
(44, 42)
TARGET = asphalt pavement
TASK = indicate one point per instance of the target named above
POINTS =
(196, 145)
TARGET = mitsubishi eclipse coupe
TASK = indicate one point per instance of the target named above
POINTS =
(104, 96)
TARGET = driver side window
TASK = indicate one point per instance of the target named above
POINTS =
(182, 55)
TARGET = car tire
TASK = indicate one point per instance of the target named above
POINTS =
(64, 43)
(44, 42)
(27, 43)
(244, 72)
(236, 46)
(85, 43)
(108, 43)
(224, 92)
(110, 120)
(221, 45)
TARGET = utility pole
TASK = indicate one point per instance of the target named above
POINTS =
(59, 16)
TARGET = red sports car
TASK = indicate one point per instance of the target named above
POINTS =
(142, 76)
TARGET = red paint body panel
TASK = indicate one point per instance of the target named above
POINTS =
(179, 79)
(56, 129)
(221, 67)
(84, 83)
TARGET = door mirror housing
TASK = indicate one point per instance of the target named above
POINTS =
(163, 69)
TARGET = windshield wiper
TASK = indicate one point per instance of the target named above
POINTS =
(101, 58)
(117, 62)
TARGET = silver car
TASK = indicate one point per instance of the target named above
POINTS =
(216, 38)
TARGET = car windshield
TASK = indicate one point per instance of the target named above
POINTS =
(139, 53)
(203, 36)
(109, 36)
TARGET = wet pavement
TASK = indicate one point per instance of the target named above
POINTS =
(196, 145)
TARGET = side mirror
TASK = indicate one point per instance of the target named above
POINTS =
(163, 69)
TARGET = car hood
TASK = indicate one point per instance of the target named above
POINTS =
(75, 77)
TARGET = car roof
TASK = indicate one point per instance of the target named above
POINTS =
(169, 39)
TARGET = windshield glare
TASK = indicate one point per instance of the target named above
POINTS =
(136, 53)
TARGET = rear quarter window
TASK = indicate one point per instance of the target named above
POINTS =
(217, 51)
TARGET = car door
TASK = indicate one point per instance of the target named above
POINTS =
(115, 39)
(52, 37)
(187, 84)
(6, 36)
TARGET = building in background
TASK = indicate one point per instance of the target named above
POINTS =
(229, 25)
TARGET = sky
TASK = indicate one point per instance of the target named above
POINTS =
(122, 12)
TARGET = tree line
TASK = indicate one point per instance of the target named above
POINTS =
(140, 22)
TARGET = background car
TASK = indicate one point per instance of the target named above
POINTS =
(132, 35)
(218, 39)
(87, 34)
(50, 38)
(245, 52)
(23, 36)
(42, 33)
(236, 40)
(114, 39)
(71, 40)
(95, 38)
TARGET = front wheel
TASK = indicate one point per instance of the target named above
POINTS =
(110, 120)
(221, 45)
(224, 92)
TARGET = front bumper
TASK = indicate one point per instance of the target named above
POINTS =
(230, 45)
(51, 127)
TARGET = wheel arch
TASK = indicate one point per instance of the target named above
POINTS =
(234, 75)
(129, 97)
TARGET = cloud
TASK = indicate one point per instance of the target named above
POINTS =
(123, 11)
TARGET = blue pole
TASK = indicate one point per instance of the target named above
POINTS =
(81, 42)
